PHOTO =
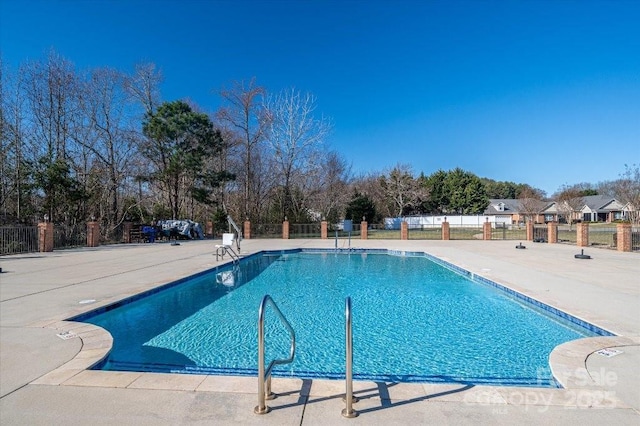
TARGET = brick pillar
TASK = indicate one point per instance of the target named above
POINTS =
(364, 230)
(624, 237)
(246, 231)
(324, 230)
(208, 229)
(529, 228)
(45, 236)
(93, 234)
(446, 233)
(486, 230)
(285, 230)
(404, 231)
(582, 230)
(126, 232)
(552, 232)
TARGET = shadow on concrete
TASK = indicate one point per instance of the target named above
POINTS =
(381, 391)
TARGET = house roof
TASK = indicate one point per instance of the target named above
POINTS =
(601, 203)
(594, 203)
(510, 206)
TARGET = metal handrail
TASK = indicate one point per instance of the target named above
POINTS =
(233, 224)
(264, 374)
(349, 412)
(222, 250)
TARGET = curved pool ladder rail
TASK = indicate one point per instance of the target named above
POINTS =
(349, 399)
(222, 250)
(264, 374)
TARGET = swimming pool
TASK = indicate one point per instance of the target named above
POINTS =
(415, 319)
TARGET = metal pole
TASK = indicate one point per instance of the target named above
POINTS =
(349, 412)
(264, 374)
(261, 408)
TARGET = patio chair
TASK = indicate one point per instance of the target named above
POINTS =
(227, 247)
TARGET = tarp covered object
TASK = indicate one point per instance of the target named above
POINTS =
(186, 228)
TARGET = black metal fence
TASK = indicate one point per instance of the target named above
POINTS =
(503, 231)
(304, 230)
(465, 232)
(635, 238)
(334, 231)
(24, 239)
(378, 232)
(540, 233)
(602, 236)
(424, 232)
(266, 230)
(69, 236)
(18, 239)
(567, 234)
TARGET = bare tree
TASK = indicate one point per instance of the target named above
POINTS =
(627, 190)
(530, 203)
(370, 186)
(570, 201)
(110, 135)
(13, 177)
(51, 92)
(295, 136)
(243, 113)
(331, 193)
(401, 189)
(144, 86)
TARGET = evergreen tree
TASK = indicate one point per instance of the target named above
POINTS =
(361, 206)
(179, 143)
(465, 193)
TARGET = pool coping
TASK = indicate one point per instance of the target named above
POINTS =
(567, 361)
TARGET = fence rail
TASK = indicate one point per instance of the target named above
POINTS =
(540, 233)
(425, 232)
(603, 236)
(502, 231)
(266, 230)
(378, 232)
(465, 233)
(566, 235)
(304, 230)
(341, 233)
(24, 239)
(69, 237)
(18, 239)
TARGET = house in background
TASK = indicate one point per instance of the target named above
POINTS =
(599, 208)
(551, 213)
(512, 211)
(596, 208)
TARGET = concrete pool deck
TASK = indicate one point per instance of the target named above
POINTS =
(43, 359)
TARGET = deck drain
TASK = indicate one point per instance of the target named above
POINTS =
(86, 301)
(609, 352)
(66, 335)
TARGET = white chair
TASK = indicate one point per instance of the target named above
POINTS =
(226, 246)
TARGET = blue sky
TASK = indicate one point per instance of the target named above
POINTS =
(538, 92)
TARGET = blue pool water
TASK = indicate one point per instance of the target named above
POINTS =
(413, 321)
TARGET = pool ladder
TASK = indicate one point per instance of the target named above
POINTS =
(223, 250)
(264, 374)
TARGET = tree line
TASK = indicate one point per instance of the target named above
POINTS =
(102, 144)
